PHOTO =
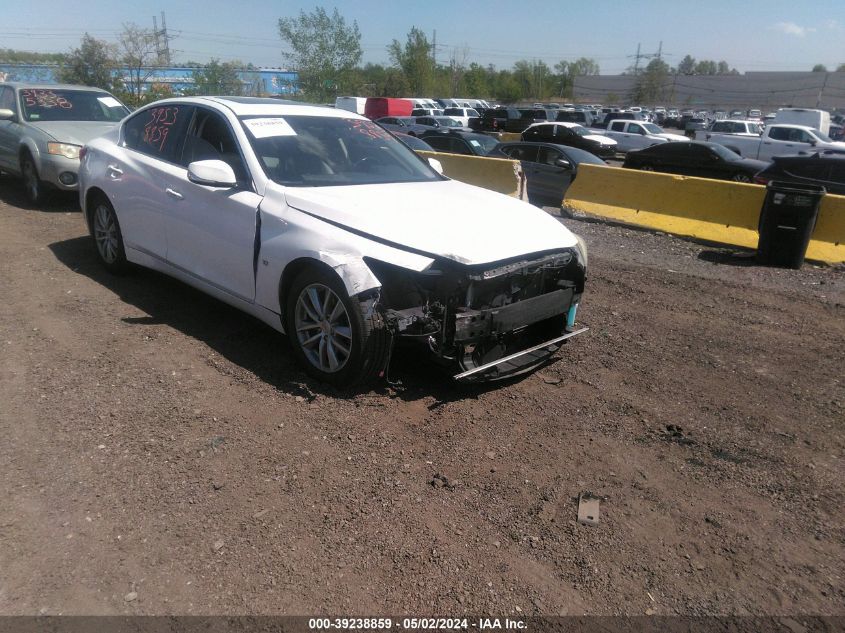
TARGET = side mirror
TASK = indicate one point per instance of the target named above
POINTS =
(813, 142)
(212, 173)
(6, 114)
(562, 162)
(436, 165)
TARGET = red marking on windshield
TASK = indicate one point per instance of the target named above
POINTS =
(40, 98)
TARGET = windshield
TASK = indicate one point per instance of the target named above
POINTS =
(824, 138)
(318, 151)
(47, 104)
(724, 152)
(651, 127)
(486, 143)
(445, 121)
(580, 130)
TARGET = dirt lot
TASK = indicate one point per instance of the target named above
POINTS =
(161, 453)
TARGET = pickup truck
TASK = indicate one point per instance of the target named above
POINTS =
(778, 140)
(634, 135)
(730, 126)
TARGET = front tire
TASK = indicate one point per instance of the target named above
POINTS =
(741, 178)
(108, 239)
(646, 168)
(332, 338)
(34, 188)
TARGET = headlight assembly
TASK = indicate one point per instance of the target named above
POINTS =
(64, 149)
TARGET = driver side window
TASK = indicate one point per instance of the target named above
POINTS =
(209, 137)
(7, 99)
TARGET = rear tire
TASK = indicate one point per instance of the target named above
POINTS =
(646, 168)
(741, 178)
(332, 338)
(108, 238)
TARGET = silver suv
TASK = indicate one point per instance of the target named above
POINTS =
(43, 127)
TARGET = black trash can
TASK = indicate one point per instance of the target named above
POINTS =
(787, 220)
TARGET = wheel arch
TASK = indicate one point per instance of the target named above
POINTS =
(353, 273)
(29, 147)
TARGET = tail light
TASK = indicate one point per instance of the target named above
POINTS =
(761, 180)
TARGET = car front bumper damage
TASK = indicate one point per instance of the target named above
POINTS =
(491, 322)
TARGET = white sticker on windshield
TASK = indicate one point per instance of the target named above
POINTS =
(264, 128)
(109, 102)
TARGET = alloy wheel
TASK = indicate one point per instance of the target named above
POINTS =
(105, 233)
(323, 328)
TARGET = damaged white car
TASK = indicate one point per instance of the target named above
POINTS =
(324, 226)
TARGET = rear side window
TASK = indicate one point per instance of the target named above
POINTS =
(158, 132)
(779, 133)
(7, 99)
(522, 152)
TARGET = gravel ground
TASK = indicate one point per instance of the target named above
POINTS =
(162, 454)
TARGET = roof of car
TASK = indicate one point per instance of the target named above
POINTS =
(257, 106)
(574, 152)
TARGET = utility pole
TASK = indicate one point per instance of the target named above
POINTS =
(434, 49)
(659, 50)
(162, 41)
(637, 61)
(166, 40)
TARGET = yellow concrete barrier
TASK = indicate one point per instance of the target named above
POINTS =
(714, 210)
(497, 174)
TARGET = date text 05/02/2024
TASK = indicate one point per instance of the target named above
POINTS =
(416, 624)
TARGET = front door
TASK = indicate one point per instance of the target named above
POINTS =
(212, 230)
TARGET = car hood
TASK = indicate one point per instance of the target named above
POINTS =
(751, 164)
(75, 132)
(448, 219)
(598, 138)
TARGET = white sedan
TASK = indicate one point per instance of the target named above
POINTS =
(324, 226)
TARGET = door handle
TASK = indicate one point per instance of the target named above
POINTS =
(174, 194)
(114, 171)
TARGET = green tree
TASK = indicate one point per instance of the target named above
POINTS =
(706, 67)
(215, 78)
(414, 59)
(92, 64)
(476, 81)
(651, 84)
(506, 88)
(819, 68)
(567, 72)
(324, 50)
(138, 54)
(686, 66)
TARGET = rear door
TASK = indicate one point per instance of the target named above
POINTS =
(784, 141)
(212, 230)
(139, 172)
(553, 178)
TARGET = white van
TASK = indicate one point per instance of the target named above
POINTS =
(351, 104)
(818, 119)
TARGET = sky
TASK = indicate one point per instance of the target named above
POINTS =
(752, 35)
